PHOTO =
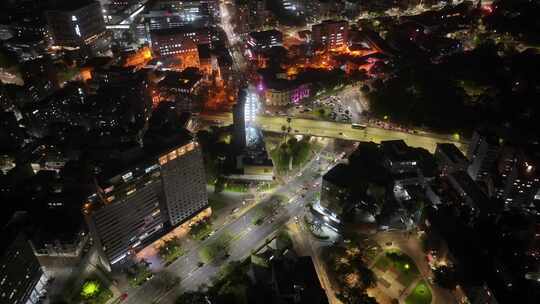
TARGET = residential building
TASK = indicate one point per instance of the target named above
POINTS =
(141, 203)
(40, 78)
(330, 34)
(483, 152)
(468, 191)
(522, 182)
(450, 158)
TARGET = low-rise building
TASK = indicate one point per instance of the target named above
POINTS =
(259, 41)
(281, 92)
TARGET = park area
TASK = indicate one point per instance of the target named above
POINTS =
(420, 294)
(399, 278)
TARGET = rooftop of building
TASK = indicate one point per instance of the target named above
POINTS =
(204, 51)
(298, 276)
(11, 230)
(184, 80)
(98, 62)
(166, 132)
(452, 152)
(331, 21)
(68, 5)
(188, 28)
(470, 187)
(265, 34)
(398, 151)
(341, 175)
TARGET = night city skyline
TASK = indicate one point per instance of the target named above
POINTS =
(269, 151)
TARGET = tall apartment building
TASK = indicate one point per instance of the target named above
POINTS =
(331, 34)
(521, 180)
(78, 24)
(483, 152)
(184, 183)
(140, 204)
(450, 158)
(22, 280)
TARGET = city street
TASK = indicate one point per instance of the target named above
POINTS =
(331, 129)
(321, 128)
(246, 237)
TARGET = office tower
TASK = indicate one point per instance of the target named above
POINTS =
(141, 203)
(22, 280)
(331, 34)
(483, 151)
(77, 24)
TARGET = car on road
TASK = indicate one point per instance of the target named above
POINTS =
(235, 210)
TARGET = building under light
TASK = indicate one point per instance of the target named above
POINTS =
(252, 159)
(139, 204)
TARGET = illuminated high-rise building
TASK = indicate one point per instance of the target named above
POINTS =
(142, 202)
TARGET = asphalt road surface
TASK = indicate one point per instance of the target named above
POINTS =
(246, 237)
(321, 128)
